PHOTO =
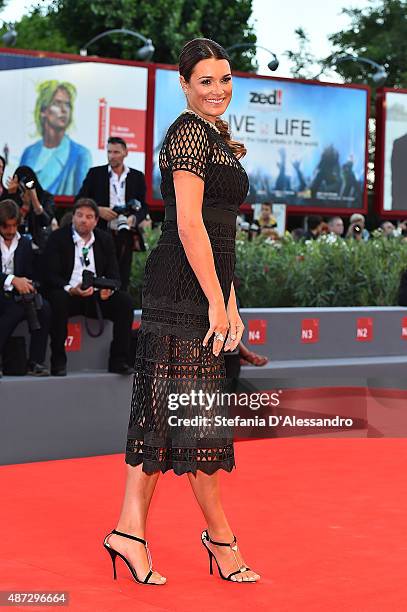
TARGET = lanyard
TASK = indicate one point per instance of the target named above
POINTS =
(84, 258)
(85, 261)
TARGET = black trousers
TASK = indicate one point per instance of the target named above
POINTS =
(124, 251)
(118, 308)
(11, 313)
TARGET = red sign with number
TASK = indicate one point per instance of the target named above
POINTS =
(73, 340)
(404, 328)
(364, 329)
(257, 331)
(309, 331)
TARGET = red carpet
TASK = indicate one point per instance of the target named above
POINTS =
(322, 520)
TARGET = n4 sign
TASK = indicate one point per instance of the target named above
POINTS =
(257, 331)
(364, 329)
(309, 331)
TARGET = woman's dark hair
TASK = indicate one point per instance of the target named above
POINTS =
(26, 174)
(8, 211)
(193, 52)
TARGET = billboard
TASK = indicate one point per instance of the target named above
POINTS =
(392, 150)
(56, 119)
(306, 141)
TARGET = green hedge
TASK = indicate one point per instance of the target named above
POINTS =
(311, 274)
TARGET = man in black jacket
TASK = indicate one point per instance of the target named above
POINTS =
(115, 185)
(16, 282)
(69, 251)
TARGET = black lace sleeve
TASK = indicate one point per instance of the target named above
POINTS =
(188, 147)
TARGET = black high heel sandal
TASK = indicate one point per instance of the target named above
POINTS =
(114, 553)
(233, 545)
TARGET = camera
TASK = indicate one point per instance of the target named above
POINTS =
(357, 231)
(26, 183)
(31, 302)
(131, 208)
(120, 223)
(89, 279)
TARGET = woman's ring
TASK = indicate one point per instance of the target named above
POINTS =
(219, 336)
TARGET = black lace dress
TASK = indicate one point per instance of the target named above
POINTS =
(170, 356)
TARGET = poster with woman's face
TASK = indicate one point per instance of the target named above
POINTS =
(63, 116)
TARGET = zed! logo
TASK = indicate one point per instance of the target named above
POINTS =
(274, 98)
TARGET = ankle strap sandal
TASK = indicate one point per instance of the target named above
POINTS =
(233, 546)
(113, 553)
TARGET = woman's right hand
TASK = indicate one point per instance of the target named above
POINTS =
(218, 323)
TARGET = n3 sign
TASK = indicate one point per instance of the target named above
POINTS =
(74, 338)
(309, 331)
(364, 329)
(257, 331)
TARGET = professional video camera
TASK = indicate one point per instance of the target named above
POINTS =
(98, 282)
(31, 302)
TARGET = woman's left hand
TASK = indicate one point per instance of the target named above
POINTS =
(236, 326)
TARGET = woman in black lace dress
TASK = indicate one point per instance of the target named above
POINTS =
(189, 316)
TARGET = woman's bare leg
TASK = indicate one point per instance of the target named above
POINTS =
(133, 517)
(207, 492)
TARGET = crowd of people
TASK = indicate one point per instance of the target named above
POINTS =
(317, 226)
(43, 261)
(51, 271)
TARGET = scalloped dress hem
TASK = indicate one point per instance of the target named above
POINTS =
(151, 467)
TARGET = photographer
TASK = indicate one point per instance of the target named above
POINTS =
(388, 229)
(315, 224)
(357, 228)
(72, 250)
(37, 211)
(266, 223)
(19, 299)
(120, 194)
(402, 230)
(336, 226)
